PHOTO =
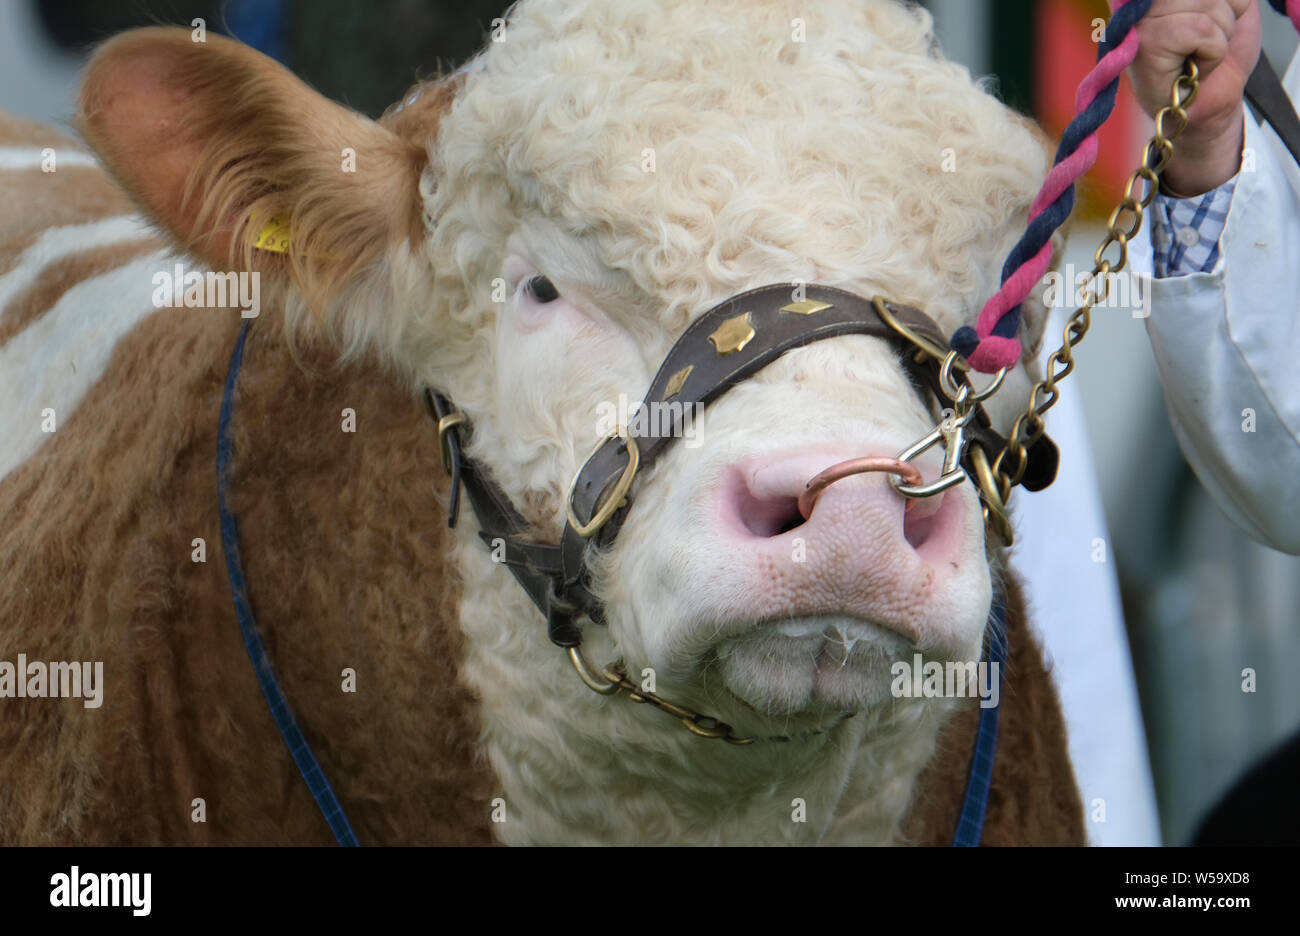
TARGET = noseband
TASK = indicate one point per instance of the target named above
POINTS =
(728, 344)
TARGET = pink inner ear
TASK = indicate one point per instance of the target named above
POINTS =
(139, 113)
(164, 111)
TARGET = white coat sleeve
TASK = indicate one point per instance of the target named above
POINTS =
(1227, 346)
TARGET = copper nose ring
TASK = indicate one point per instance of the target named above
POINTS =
(825, 479)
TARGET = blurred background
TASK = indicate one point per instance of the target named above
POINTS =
(1201, 602)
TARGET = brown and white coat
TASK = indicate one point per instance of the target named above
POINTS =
(460, 699)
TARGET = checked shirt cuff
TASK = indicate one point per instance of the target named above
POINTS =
(1185, 232)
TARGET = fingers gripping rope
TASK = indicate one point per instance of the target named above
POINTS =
(992, 344)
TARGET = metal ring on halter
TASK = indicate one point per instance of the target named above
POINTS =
(829, 476)
(925, 344)
(616, 495)
(596, 682)
(946, 381)
(995, 511)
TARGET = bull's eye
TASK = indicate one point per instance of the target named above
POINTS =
(542, 289)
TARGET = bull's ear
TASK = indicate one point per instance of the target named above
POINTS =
(214, 139)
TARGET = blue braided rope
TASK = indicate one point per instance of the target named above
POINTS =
(970, 825)
(320, 788)
(1040, 230)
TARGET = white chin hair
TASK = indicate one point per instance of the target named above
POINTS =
(830, 664)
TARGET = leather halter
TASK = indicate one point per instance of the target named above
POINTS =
(729, 343)
(754, 327)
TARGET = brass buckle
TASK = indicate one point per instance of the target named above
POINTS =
(444, 424)
(953, 391)
(615, 499)
(925, 344)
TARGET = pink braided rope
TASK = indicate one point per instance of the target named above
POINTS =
(995, 352)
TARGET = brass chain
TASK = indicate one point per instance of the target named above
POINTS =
(1009, 467)
(706, 726)
(613, 679)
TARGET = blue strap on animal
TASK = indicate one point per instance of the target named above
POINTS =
(970, 825)
(289, 730)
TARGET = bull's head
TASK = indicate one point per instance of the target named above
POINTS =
(531, 236)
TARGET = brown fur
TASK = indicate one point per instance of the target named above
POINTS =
(71, 195)
(1034, 799)
(345, 546)
(34, 200)
(342, 536)
(417, 123)
(58, 277)
(18, 131)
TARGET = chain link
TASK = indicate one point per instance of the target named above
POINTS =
(1008, 468)
(613, 679)
(706, 726)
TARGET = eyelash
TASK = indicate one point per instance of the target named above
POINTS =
(541, 289)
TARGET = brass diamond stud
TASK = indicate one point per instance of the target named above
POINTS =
(733, 334)
(677, 381)
(805, 307)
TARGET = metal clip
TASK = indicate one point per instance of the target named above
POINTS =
(951, 433)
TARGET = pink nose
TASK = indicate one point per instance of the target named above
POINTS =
(857, 547)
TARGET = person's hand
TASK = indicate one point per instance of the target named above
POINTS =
(1223, 37)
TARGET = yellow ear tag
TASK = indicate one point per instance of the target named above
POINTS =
(274, 236)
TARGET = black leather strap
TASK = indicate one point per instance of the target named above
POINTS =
(1264, 90)
(728, 344)
(535, 566)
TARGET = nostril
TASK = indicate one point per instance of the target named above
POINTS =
(769, 517)
(921, 520)
(917, 528)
